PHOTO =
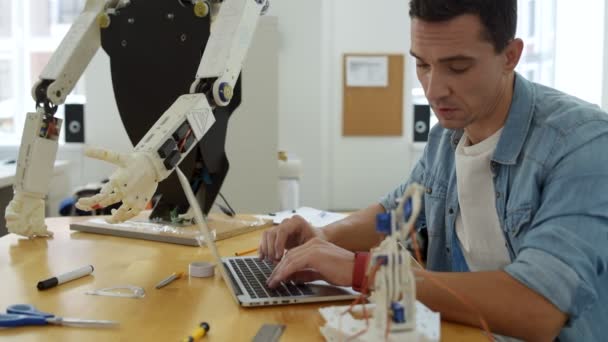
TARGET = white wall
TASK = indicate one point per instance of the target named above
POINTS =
(302, 128)
(365, 168)
(102, 126)
(579, 55)
(251, 142)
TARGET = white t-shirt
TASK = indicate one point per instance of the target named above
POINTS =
(477, 225)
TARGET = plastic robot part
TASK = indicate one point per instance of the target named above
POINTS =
(231, 35)
(74, 53)
(133, 183)
(25, 215)
(201, 9)
(339, 327)
(393, 286)
(138, 173)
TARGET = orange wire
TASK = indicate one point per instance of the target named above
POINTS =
(429, 276)
(52, 131)
(183, 142)
(364, 288)
(437, 282)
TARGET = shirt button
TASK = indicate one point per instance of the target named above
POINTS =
(451, 211)
(498, 195)
(456, 141)
(429, 190)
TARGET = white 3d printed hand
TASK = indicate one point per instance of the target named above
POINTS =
(25, 215)
(133, 183)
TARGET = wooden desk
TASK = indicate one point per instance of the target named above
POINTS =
(168, 314)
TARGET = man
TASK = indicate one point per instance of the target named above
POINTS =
(516, 179)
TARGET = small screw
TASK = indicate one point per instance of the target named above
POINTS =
(123, 43)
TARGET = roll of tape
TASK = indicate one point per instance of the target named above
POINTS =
(201, 269)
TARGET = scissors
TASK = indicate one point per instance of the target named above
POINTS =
(24, 314)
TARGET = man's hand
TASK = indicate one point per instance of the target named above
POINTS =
(133, 183)
(290, 233)
(24, 215)
(314, 260)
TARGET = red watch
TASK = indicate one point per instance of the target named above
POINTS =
(361, 259)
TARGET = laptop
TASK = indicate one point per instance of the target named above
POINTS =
(246, 279)
(246, 276)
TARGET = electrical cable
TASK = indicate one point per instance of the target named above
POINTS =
(227, 204)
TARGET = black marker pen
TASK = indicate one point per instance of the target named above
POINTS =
(64, 278)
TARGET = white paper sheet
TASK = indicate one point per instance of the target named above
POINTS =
(317, 218)
(367, 71)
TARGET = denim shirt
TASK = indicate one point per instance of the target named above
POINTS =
(550, 172)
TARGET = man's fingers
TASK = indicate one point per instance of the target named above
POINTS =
(288, 228)
(269, 237)
(305, 276)
(296, 260)
(116, 158)
(263, 249)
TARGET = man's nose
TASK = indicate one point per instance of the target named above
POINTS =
(437, 87)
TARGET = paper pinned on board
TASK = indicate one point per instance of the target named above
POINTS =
(317, 218)
(371, 71)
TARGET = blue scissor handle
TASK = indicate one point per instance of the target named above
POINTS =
(14, 320)
(26, 309)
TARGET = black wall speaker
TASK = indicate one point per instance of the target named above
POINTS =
(74, 123)
(422, 118)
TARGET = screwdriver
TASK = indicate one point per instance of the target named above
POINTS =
(198, 333)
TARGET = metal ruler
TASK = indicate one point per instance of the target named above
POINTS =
(269, 333)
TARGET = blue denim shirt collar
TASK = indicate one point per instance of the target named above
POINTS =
(517, 125)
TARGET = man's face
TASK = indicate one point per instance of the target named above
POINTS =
(464, 79)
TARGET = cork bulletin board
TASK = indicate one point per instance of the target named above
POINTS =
(372, 95)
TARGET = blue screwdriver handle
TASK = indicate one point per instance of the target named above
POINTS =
(13, 320)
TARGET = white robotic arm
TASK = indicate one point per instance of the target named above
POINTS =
(166, 143)
(164, 146)
(25, 213)
(178, 130)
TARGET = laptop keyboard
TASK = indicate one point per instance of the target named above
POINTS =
(253, 274)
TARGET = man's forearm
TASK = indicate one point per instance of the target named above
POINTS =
(356, 232)
(509, 307)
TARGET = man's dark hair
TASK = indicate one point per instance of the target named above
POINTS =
(499, 17)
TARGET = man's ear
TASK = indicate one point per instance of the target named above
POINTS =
(512, 54)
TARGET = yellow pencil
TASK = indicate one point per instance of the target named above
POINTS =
(169, 279)
(249, 251)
